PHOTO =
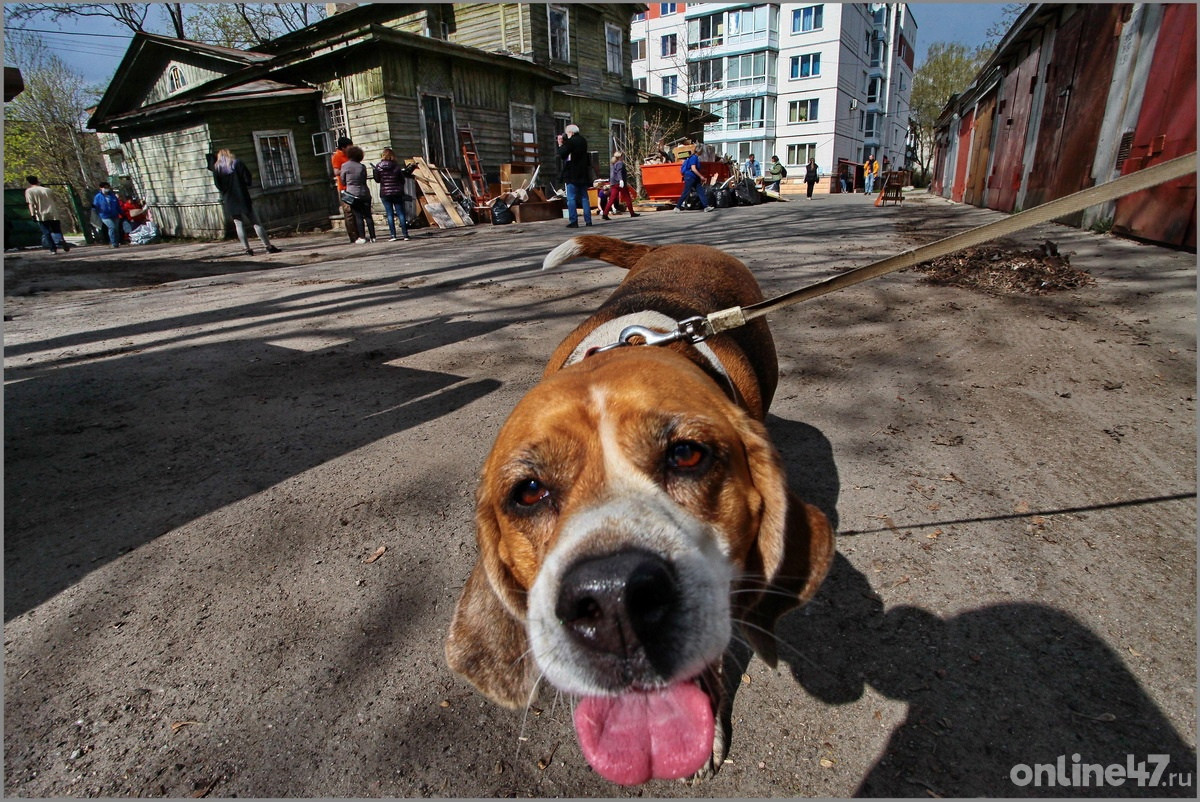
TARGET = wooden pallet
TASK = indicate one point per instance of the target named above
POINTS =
(440, 209)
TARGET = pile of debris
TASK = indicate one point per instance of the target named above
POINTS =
(1001, 268)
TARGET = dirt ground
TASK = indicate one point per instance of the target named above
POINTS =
(204, 451)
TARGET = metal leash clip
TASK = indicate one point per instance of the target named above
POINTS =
(693, 330)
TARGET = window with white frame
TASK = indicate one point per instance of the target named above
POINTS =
(333, 118)
(706, 31)
(802, 111)
(618, 136)
(612, 47)
(873, 87)
(806, 66)
(640, 84)
(277, 164)
(670, 85)
(561, 121)
(800, 154)
(749, 112)
(560, 33)
(177, 78)
(638, 46)
(669, 45)
(749, 23)
(666, 9)
(639, 17)
(810, 18)
(870, 130)
(522, 123)
(706, 75)
(750, 69)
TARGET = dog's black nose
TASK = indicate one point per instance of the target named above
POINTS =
(621, 604)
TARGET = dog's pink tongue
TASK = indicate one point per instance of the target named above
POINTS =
(663, 734)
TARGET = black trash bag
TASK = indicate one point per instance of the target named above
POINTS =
(501, 214)
(744, 193)
(756, 197)
(692, 201)
(723, 197)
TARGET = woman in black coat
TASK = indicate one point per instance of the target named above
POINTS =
(233, 181)
(390, 175)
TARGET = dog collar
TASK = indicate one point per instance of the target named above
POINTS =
(613, 334)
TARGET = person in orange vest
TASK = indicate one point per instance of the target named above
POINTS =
(339, 158)
(870, 173)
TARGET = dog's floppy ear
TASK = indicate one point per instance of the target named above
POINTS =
(487, 643)
(791, 556)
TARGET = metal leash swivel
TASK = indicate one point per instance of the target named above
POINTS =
(691, 330)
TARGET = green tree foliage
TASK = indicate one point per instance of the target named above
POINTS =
(44, 132)
(948, 69)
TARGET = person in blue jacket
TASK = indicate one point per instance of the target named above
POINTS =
(108, 207)
(692, 177)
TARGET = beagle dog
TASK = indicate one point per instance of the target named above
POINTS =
(630, 513)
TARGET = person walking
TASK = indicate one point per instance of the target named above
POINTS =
(43, 209)
(390, 175)
(775, 174)
(232, 179)
(354, 176)
(811, 174)
(692, 178)
(108, 207)
(576, 174)
(870, 173)
(618, 185)
(337, 160)
(752, 168)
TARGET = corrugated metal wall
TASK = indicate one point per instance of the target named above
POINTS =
(1056, 96)
(1166, 128)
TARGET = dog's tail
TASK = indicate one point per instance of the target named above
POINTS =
(607, 249)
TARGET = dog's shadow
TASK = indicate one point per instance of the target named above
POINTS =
(989, 692)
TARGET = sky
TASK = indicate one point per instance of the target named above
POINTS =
(94, 46)
(961, 23)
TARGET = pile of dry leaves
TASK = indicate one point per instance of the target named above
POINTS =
(1003, 269)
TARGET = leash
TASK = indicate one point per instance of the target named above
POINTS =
(698, 329)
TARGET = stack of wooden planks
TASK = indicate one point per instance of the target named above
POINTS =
(439, 208)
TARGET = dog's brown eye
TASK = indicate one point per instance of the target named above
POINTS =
(687, 456)
(530, 492)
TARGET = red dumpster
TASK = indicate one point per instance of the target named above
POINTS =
(665, 182)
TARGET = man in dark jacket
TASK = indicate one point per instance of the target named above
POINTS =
(576, 174)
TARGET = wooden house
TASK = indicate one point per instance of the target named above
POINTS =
(407, 76)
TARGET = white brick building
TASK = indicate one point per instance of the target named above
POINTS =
(827, 80)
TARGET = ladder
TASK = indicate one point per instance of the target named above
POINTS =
(475, 180)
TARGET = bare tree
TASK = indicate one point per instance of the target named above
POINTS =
(231, 24)
(44, 125)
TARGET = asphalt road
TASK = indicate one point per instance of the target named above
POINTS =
(204, 452)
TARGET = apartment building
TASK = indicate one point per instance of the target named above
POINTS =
(829, 81)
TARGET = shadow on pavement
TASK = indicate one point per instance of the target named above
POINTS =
(1004, 686)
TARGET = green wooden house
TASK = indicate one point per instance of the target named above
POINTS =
(406, 76)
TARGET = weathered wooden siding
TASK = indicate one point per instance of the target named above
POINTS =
(161, 88)
(496, 27)
(178, 187)
(175, 181)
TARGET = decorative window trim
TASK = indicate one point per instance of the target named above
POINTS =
(272, 175)
(561, 52)
(177, 80)
(614, 59)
